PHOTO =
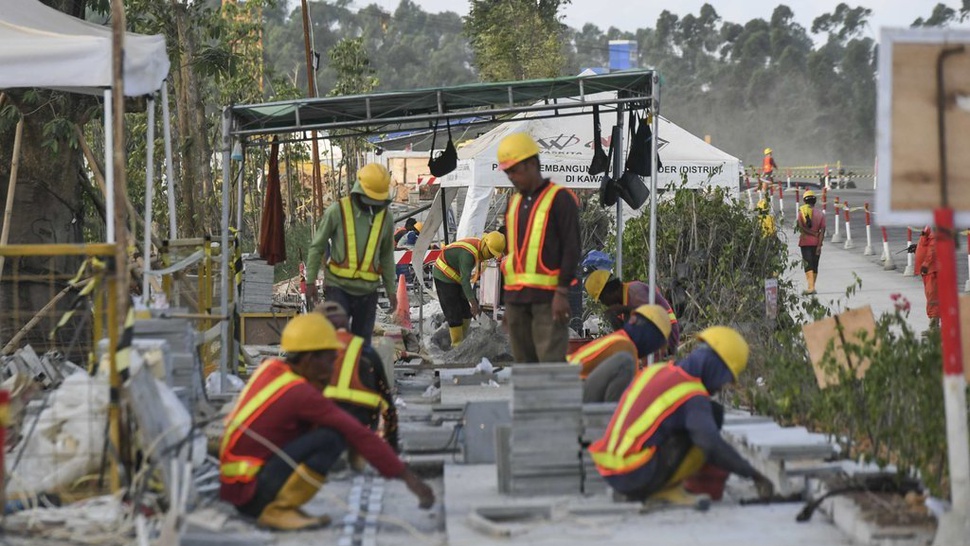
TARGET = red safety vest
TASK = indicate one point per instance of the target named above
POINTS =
(345, 384)
(586, 355)
(354, 266)
(524, 267)
(471, 244)
(655, 393)
(768, 165)
(272, 379)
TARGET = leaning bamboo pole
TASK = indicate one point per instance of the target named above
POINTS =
(11, 189)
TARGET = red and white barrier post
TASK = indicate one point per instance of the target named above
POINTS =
(747, 186)
(827, 177)
(848, 234)
(887, 258)
(788, 178)
(966, 285)
(868, 251)
(908, 272)
(781, 202)
(837, 235)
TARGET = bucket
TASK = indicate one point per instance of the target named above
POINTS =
(710, 480)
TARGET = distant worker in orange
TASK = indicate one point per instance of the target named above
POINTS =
(926, 265)
(768, 167)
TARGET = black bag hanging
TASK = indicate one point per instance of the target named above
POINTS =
(601, 161)
(638, 160)
(633, 190)
(630, 185)
(608, 189)
(447, 160)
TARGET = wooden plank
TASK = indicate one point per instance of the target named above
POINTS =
(819, 334)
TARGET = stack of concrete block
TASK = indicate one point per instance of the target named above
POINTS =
(546, 424)
(182, 358)
(596, 418)
(257, 286)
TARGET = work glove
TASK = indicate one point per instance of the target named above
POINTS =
(764, 486)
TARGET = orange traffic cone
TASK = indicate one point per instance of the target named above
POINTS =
(403, 305)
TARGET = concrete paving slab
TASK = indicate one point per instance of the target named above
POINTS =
(459, 394)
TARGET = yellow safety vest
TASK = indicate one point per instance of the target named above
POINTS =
(470, 244)
(523, 267)
(656, 392)
(345, 384)
(589, 352)
(353, 266)
(271, 380)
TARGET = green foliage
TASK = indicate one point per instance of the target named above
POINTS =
(516, 39)
(298, 237)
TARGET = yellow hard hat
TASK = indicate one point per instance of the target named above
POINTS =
(808, 194)
(493, 245)
(767, 151)
(309, 332)
(375, 181)
(729, 345)
(596, 281)
(514, 148)
(657, 315)
(418, 226)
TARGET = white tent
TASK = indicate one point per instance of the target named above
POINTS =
(567, 149)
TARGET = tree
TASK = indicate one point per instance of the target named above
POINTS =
(516, 39)
(943, 15)
(354, 76)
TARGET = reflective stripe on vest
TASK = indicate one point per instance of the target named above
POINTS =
(345, 385)
(524, 267)
(594, 348)
(470, 244)
(260, 393)
(766, 165)
(354, 267)
(621, 450)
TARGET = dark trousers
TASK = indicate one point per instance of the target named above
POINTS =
(810, 258)
(535, 337)
(318, 449)
(650, 478)
(362, 310)
(453, 302)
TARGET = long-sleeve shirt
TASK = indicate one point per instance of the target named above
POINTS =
(330, 236)
(463, 261)
(926, 253)
(637, 293)
(811, 225)
(299, 410)
(561, 243)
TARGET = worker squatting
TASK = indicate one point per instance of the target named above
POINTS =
(327, 393)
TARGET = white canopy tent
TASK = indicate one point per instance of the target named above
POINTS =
(567, 150)
(42, 47)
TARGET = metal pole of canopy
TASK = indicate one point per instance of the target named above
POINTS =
(617, 171)
(169, 167)
(149, 198)
(655, 126)
(224, 253)
(109, 169)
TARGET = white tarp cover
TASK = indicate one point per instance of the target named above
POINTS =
(42, 47)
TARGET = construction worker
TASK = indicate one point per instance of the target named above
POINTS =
(666, 426)
(282, 410)
(811, 235)
(622, 297)
(610, 362)
(765, 218)
(544, 246)
(359, 384)
(357, 230)
(455, 271)
(400, 232)
(768, 167)
(926, 265)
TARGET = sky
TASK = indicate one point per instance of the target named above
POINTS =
(632, 14)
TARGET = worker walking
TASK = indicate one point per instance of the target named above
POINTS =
(610, 362)
(811, 235)
(765, 219)
(282, 408)
(768, 168)
(454, 272)
(356, 234)
(926, 265)
(666, 426)
(359, 383)
(622, 297)
(544, 246)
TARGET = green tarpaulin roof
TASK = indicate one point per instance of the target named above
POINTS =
(380, 112)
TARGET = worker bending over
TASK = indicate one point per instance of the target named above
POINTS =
(401, 232)
(622, 297)
(610, 362)
(282, 409)
(359, 383)
(454, 272)
(666, 426)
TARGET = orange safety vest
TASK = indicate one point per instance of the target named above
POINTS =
(471, 244)
(345, 384)
(271, 380)
(626, 301)
(585, 355)
(655, 393)
(524, 267)
(767, 166)
(354, 266)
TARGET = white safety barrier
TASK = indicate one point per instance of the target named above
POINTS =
(836, 236)
(908, 272)
(887, 257)
(848, 234)
(868, 251)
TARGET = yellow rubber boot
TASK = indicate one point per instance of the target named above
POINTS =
(810, 277)
(457, 334)
(675, 497)
(691, 464)
(284, 513)
(465, 324)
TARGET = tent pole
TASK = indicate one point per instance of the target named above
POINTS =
(655, 126)
(169, 168)
(617, 169)
(149, 198)
(224, 351)
(240, 195)
(444, 216)
(109, 170)
(11, 187)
